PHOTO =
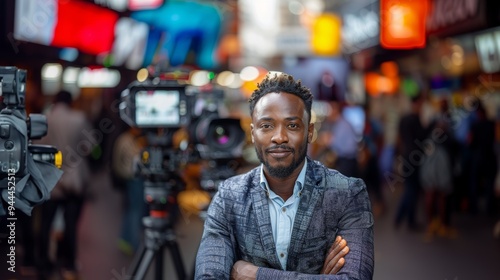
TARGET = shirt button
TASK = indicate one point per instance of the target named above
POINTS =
(282, 255)
(283, 209)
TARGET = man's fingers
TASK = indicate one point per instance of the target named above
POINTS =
(337, 266)
(334, 263)
(335, 243)
(338, 246)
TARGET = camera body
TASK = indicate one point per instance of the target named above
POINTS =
(17, 129)
(161, 107)
(171, 105)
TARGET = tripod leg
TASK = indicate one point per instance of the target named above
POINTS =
(143, 266)
(137, 259)
(159, 265)
(177, 259)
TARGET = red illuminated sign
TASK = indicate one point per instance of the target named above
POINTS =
(84, 26)
(403, 23)
(122, 41)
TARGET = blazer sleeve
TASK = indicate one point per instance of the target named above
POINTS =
(356, 227)
(215, 257)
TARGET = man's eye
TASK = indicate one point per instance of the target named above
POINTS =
(266, 126)
(293, 125)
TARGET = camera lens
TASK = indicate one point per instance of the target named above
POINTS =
(221, 135)
(217, 138)
(224, 134)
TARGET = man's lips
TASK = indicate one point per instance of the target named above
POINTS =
(279, 152)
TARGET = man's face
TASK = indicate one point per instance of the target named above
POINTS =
(281, 131)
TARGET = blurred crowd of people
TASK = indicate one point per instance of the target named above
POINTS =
(444, 162)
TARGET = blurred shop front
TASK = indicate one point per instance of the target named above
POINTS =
(95, 49)
(345, 50)
(454, 55)
(459, 59)
(98, 45)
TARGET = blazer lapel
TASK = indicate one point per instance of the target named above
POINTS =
(310, 196)
(261, 208)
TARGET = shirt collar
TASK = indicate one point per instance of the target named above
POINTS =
(299, 183)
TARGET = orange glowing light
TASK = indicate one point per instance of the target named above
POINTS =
(389, 69)
(377, 84)
(403, 23)
(248, 87)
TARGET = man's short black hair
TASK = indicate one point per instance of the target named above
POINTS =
(281, 83)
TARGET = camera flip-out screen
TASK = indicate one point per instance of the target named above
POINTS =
(157, 107)
(145, 105)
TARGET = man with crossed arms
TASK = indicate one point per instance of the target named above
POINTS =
(290, 217)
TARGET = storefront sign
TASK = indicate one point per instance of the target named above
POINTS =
(122, 41)
(488, 50)
(84, 26)
(326, 35)
(34, 21)
(293, 41)
(402, 24)
(179, 27)
(130, 43)
(361, 27)
(451, 17)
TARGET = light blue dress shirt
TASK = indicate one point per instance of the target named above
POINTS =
(283, 214)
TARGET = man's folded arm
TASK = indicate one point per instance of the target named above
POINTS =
(264, 273)
(215, 256)
(358, 265)
(356, 227)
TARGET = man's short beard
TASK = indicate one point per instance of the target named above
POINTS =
(283, 171)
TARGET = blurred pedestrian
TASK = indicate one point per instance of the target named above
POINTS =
(341, 139)
(436, 174)
(410, 133)
(67, 129)
(126, 153)
(327, 87)
(483, 160)
(368, 158)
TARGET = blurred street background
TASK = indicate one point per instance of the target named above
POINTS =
(399, 254)
(147, 101)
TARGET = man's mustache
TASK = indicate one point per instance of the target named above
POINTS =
(280, 148)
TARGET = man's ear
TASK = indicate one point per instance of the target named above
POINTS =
(310, 132)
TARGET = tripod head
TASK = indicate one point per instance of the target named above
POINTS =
(159, 166)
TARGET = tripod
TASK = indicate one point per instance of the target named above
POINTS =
(158, 234)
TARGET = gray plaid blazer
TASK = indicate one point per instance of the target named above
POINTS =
(238, 227)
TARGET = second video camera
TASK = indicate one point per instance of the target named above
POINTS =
(172, 105)
(18, 129)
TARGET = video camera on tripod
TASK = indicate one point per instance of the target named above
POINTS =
(169, 105)
(160, 107)
(21, 161)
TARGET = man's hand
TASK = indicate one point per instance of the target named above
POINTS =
(243, 270)
(334, 260)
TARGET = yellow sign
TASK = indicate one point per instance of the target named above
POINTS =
(326, 35)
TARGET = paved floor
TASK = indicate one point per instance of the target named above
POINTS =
(399, 254)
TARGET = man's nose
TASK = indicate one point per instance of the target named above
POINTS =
(280, 135)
